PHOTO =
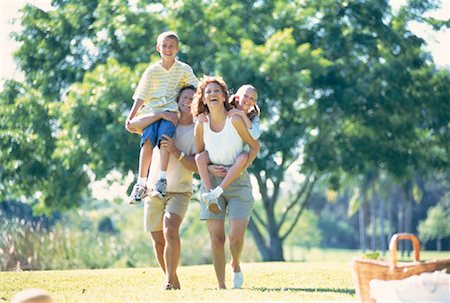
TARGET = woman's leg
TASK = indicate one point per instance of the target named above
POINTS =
(235, 170)
(217, 235)
(172, 249)
(202, 161)
(236, 232)
(158, 245)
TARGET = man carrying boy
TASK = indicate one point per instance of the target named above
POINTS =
(156, 93)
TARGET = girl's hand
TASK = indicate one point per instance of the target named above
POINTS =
(217, 170)
(235, 112)
(202, 118)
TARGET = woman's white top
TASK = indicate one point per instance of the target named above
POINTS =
(224, 146)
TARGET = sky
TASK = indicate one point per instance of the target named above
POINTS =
(438, 43)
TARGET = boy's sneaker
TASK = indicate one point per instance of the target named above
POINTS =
(137, 194)
(160, 188)
(212, 202)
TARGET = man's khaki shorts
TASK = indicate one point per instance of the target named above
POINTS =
(154, 209)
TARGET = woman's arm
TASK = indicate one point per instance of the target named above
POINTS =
(242, 130)
(198, 137)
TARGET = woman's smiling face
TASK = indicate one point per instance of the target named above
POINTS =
(213, 94)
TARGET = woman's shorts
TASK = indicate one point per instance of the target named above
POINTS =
(237, 199)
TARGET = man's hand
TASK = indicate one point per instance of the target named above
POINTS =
(170, 116)
(168, 145)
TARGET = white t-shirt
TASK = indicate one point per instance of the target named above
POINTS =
(179, 178)
(223, 147)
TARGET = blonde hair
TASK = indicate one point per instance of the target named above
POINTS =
(169, 34)
(198, 107)
(253, 112)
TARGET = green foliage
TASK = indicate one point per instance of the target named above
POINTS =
(436, 226)
(344, 88)
(306, 233)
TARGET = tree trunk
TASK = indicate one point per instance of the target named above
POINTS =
(373, 222)
(362, 230)
(439, 243)
(271, 252)
(381, 215)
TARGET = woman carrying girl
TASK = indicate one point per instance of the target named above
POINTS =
(223, 137)
(244, 105)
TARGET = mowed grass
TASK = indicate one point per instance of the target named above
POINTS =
(264, 282)
(325, 276)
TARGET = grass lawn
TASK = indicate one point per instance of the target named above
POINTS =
(264, 282)
(325, 277)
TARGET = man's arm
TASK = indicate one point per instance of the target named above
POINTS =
(188, 161)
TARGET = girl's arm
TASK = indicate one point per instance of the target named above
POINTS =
(237, 112)
(254, 130)
(242, 130)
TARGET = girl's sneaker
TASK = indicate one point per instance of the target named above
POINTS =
(212, 202)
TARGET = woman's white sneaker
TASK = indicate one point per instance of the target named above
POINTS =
(238, 279)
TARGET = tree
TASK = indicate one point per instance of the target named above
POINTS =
(436, 225)
(341, 84)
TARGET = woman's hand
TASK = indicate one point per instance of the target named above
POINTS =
(217, 170)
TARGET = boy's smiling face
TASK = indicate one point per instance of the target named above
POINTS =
(168, 48)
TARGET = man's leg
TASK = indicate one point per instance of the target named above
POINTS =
(172, 249)
(158, 245)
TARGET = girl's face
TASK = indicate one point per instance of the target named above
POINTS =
(185, 100)
(246, 99)
(168, 48)
(214, 95)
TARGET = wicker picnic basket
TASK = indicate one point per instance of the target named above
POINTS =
(365, 270)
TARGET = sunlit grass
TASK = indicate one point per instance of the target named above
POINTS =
(264, 282)
(324, 276)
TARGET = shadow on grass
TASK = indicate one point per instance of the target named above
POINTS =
(335, 290)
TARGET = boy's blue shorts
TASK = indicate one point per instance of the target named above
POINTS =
(154, 132)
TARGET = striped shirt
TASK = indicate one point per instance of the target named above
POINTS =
(159, 87)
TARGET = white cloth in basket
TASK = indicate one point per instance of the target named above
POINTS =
(424, 288)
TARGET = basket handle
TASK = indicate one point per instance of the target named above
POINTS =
(394, 242)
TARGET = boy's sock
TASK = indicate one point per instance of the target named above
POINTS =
(217, 191)
(162, 175)
(142, 181)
